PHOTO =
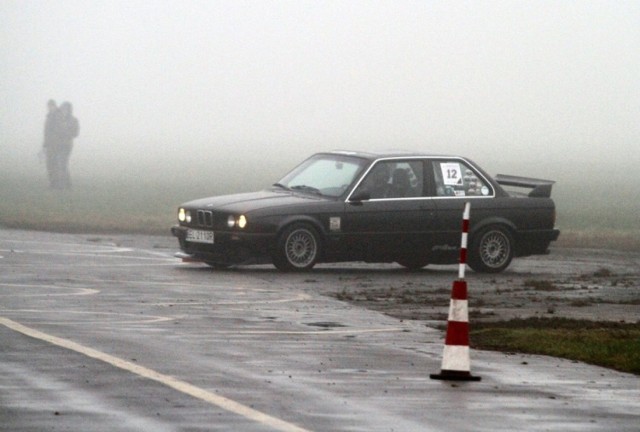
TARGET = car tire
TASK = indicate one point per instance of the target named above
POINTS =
(491, 250)
(413, 263)
(297, 249)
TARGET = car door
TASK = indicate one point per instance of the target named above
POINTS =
(388, 214)
(455, 182)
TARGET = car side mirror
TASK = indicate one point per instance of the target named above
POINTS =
(361, 195)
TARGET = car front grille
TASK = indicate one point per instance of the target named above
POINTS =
(205, 218)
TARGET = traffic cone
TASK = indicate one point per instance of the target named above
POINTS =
(456, 362)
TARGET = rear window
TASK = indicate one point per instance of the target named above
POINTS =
(454, 178)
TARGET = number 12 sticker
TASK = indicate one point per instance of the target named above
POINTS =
(451, 174)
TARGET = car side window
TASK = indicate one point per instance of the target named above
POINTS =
(407, 179)
(454, 178)
(376, 182)
(394, 179)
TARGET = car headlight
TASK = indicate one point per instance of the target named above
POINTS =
(239, 221)
(242, 221)
(184, 215)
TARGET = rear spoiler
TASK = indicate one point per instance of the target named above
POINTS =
(541, 188)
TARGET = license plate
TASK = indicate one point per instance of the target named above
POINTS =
(199, 236)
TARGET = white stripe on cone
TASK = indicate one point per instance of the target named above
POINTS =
(456, 358)
(458, 310)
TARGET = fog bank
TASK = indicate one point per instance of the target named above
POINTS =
(535, 87)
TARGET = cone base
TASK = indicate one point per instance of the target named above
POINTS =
(451, 375)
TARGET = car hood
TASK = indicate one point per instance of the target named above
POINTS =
(245, 202)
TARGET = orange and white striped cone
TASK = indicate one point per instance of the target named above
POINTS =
(456, 361)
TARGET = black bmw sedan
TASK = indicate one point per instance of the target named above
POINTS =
(383, 207)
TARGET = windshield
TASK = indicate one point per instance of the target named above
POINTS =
(324, 174)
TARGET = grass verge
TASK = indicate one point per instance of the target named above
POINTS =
(612, 345)
(100, 205)
(129, 203)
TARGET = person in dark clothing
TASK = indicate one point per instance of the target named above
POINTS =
(50, 144)
(67, 129)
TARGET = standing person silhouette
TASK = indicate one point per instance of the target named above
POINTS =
(68, 130)
(50, 145)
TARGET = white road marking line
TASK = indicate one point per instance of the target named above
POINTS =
(328, 332)
(76, 291)
(98, 254)
(169, 381)
(100, 251)
(299, 297)
(58, 243)
(148, 319)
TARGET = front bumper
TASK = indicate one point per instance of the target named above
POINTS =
(230, 247)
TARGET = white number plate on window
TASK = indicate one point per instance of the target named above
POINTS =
(199, 236)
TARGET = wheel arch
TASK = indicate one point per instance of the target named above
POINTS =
(493, 221)
(293, 219)
(308, 220)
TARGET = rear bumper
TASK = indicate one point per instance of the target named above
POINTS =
(535, 242)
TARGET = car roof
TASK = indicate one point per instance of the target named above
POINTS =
(373, 155)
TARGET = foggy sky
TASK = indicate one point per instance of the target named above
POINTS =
(542, 81)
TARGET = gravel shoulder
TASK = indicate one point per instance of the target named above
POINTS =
(599, 285)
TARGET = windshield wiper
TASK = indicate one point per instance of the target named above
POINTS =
(306, 188)
(280, 185)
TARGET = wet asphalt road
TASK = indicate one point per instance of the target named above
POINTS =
(111, 333)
